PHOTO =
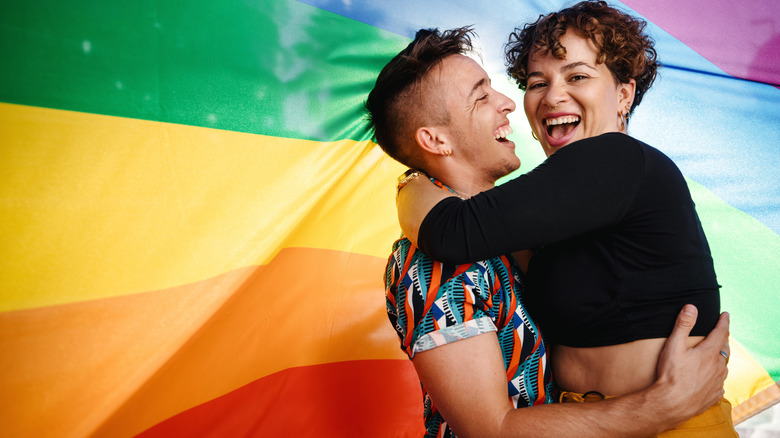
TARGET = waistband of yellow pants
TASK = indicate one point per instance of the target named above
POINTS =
(576, 397)
(715, 422)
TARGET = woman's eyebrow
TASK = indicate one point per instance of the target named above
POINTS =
(564, 68)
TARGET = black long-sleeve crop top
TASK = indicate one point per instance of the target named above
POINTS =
(619, 246)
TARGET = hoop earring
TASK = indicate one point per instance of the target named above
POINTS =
(447, 153)
(533, 134)
(622, 122)
(624, 117)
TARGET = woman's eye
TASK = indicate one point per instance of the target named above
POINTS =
(578, 77)
(536, 85)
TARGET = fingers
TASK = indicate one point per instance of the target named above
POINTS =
(702, 367)
(723, 322)
(686, 319)
(716, 345)
(725, 351)
(719, 336)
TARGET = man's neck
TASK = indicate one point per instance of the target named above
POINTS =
(465, 182)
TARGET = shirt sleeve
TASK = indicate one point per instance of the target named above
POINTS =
(585, 186)
(431, 304)
(464, 330)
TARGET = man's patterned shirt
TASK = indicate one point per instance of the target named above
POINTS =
(431, 304)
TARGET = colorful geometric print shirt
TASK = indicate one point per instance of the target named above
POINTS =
(431, 304)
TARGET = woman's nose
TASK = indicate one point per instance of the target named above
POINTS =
(554, 94)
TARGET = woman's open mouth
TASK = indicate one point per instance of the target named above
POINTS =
(560, 127)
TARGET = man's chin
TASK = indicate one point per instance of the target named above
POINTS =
(510, 167)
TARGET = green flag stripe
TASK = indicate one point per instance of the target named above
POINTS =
(226, 65)
(745, 254)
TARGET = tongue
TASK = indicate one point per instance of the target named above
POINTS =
(560, 131)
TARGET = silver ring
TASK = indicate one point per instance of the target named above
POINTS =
(725, 356)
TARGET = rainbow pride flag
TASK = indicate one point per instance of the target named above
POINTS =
(195, 221)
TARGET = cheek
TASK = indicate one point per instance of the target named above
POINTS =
(612, 100)
(602, 106)
(528, 107)
(528, 99)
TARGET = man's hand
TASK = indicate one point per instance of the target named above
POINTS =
(693, 377)
(690, 380)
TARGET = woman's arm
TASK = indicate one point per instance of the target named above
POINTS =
(583, 187)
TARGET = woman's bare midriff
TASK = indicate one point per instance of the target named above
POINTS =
(611, 370)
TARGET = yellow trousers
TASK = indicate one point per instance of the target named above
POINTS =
(715, 422)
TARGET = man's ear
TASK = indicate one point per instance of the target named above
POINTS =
(433, 140)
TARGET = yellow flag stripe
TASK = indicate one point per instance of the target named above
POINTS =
(746, 382)
(757, 404)
(96, 206)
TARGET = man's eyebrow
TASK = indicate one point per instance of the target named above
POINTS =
(477, 86)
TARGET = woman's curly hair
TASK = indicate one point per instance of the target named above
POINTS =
(619, 38)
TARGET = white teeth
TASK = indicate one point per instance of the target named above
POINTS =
(503, 132)
(562, 120)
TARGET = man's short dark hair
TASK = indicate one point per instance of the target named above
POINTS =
(400, 102)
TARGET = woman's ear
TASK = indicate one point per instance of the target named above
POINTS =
(626, 93)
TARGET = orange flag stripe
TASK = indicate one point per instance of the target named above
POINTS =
(121, 365)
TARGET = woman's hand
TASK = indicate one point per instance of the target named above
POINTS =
(415, 199)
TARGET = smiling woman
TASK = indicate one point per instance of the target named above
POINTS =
(577, 79)
(574, 97)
